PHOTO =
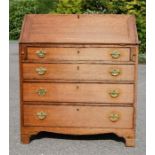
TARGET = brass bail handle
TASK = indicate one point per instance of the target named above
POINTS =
(115, 72)
(41, 115)
(41, 70)
(41, 53)
(114, 93)
(115, 54)
(114, 117)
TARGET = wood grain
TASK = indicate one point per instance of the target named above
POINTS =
(78, 116)
(78, 60)
(71, 92)
(92, 28)
(81, 72)
(79, 54)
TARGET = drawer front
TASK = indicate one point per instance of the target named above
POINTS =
(114, 54)
(78, 72)
(78, 116)
(72, 92)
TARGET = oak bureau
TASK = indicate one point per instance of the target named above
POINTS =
(78, 75)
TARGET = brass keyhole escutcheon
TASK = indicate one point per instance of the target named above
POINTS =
(114, 117)
(114, 93)
(115, 54)
(78, 52)
(78, 67)
(41, 53)
(41, 115)
(77, 87)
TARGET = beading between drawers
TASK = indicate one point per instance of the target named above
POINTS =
(78, 75)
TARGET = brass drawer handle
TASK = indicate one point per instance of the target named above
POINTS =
(114, 93)
(41, 70)
(41, 92)
(115, 54)
(114, 117)
(41, 53)
(115, 72)
(41, 115)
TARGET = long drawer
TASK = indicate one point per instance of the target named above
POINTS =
(78, 116)
(78, 92)
(112, 54)
(78, 72)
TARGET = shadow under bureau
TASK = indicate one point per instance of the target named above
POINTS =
(78, 75)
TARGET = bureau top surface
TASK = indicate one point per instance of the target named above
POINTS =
(82, 28)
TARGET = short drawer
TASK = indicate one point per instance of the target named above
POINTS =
(78, 116)
(78, 92)
(114, 54)
(83, 72)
